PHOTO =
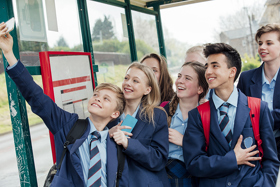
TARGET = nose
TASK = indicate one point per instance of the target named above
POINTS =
(97, 99)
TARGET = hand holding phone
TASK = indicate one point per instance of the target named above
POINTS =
(129, 121)
(10, 24)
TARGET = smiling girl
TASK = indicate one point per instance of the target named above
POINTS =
(191, 86)
(147, 149)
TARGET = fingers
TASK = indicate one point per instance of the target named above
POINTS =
(128, 133)
(124, 127)
(120, 123)
(250, 148)
(251, 154)
(2, 26)
(239, 141)
(249, 164)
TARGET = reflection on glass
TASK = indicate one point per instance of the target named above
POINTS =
(109, 41)
(145, 32)
(66, 38)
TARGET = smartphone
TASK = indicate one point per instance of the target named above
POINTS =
(129, 121)
(10, 24)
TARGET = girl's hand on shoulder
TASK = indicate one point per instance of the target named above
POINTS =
(175, 137)
(203, 100)
(119, 127)
(120, 138)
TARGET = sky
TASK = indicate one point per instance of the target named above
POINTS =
(197, 23)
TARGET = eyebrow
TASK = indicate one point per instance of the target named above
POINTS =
(211, 63)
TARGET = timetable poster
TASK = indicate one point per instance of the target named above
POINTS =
(71, 81)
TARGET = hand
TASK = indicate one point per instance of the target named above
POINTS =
(243, 156)
(120, 138)
(119, 127)
(6, 44)
(175, 137)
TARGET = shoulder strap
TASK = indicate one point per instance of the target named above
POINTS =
(163, 103)
(204, 111)
(76, 132)
(255, 106)
(121, 161)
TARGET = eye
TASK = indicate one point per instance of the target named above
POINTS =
(187, 78)
(154, 70)
(94, 94)
(269, 43)
(106, 98)
(179, 75)
(135, 81)
(125, 78)
(215, 66)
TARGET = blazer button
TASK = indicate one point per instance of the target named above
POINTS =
(229, 184)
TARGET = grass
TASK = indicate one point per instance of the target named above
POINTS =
(5, 119)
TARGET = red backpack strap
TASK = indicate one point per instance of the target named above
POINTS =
(255, 106)
(164, 103)
(204, 111)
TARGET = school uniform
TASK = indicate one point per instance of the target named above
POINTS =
(59, 122)
(175, 168)
(147, 151)
(218, 166)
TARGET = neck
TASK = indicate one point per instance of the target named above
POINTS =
(224, 94)
(270, 70)
(98, 122)
(187, 105)
(131, 106)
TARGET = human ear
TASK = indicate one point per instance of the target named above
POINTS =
(115, 114)
(148, 90)
(200, 90)
(232, 72)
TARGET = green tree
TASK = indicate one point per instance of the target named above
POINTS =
(61, 42)
(249, 62)
(103, 28)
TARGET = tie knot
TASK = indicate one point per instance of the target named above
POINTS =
(224, 108)
(95, 135)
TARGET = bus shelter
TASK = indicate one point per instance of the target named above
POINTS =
(42, 25)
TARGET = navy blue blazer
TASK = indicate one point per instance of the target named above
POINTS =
(218, 166)
(59, 122)
(147, 151)
(250, 83)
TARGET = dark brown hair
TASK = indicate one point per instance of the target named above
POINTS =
(232, 56)
(165, 82)
(200, 71)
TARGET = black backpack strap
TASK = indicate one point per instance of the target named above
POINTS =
(121, 161)
(76, 132)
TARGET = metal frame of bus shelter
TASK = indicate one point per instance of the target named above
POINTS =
(21, 133)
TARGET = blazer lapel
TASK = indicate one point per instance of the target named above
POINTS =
(256, 87)
(215, 129)
(276, 94)
(139, 125)
(242, 113)
(112, 161)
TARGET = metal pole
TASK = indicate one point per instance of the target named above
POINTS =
(21, 133)
(160, 32)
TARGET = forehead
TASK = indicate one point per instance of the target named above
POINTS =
(194, 56)
(188, 70)
(269, 36)
(217, 58)
(106, 91)
(151, 62)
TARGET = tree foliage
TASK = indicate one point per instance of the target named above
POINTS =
(103, 28)
(61, 42)
(249, 62)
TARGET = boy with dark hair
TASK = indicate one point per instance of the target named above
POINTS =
(92, 159)
(232, 156)
(263, 82)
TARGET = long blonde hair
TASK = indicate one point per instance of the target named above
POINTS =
(150, 101)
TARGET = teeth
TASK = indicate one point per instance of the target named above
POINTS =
(128, 90)
(210, 79)
(96, 105)
(180, 88)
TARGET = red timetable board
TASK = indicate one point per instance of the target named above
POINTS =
(68, 80)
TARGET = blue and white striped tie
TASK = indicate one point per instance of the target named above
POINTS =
(94, 173)
(224, 121)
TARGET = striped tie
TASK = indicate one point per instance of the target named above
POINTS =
(94, 173)
(224, 119)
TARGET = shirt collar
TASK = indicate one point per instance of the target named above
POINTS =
(133, 115)
(103, 133)
(231, 100)
(264, 80)
(179, 115)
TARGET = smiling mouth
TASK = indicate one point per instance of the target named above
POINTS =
(128, 90)
(180, 88)
(94, 104)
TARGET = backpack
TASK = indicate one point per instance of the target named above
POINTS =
(76, 132)
(253, 103)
